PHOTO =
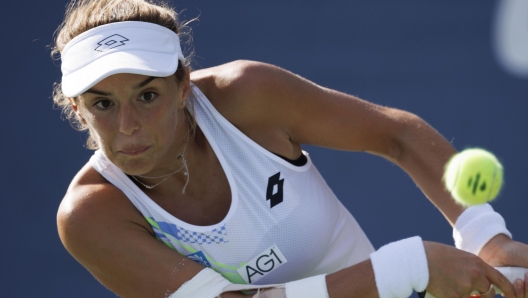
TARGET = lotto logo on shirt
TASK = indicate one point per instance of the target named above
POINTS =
(262, 265)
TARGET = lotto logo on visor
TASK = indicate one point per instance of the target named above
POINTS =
(112, 41)
(262, 265)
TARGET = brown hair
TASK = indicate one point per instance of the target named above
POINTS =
(83, 15)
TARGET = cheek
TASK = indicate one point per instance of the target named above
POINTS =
(170, 119)
(100, 137)
(87, 116)
(100, 128)
(168, 126)
(98, 125)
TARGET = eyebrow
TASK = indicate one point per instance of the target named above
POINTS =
(140, 85)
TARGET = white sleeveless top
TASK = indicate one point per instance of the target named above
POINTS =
(284, 222)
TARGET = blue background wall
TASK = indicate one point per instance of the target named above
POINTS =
(435, 59)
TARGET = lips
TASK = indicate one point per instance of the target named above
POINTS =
(133, 150)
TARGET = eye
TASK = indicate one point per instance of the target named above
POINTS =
(148, 96)
(103, 104)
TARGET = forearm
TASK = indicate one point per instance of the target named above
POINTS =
(355, 281)
(422, 153)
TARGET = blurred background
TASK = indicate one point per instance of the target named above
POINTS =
(460, 65)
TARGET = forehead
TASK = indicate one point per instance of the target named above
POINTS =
(124, 79)
(123, 82)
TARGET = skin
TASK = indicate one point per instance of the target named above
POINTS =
(142, 133)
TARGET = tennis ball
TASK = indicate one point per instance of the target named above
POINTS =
(473, 176)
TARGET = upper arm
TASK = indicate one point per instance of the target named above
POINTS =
(107, 235)
(271, 100)
(286, 104)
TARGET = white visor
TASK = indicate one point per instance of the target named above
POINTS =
(124, 47)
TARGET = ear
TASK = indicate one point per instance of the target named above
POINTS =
(73, 104)
(184, 90)
(75, 108)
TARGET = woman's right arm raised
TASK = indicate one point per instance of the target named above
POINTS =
(102, 230)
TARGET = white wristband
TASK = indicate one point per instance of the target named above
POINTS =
(476, 226)
(400, 267)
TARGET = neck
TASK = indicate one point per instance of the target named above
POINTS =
(183, 168)
(195, 151)
(154, 179)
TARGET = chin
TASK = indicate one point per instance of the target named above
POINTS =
(132, 165)
(135, 170)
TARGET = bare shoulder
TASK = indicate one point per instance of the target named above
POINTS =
(91, 204)
(234, 81)
(250, 95)
(229, 74)
(89, 194)
(104, 232)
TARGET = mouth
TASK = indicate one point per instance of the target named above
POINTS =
(134, 151)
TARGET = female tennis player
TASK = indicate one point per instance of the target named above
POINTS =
(199, 186)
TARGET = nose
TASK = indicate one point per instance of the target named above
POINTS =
(127, 120)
